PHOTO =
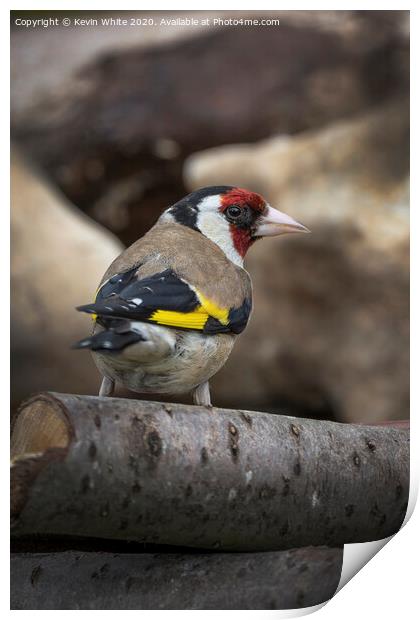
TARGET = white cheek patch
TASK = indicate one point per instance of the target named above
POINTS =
(214, 225)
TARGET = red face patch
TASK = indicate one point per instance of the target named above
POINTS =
(242, 234)
(242, 239)
(242, 197)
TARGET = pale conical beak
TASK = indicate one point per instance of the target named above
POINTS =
(275, 222)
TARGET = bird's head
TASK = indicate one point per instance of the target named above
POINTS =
(232, 217)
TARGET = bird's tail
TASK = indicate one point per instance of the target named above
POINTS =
(152, 342)
(116, 337)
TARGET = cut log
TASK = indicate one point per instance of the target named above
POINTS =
(210, 478)
(80, 580)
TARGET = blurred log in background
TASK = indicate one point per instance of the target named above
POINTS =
(312, 113)
(58, 254)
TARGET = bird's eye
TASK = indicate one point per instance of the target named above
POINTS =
(234, 211)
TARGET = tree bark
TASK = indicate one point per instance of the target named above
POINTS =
(86, 580)
(209, 478)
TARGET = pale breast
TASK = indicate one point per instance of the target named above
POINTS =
(194, 360)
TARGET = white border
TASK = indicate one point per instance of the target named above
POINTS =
(387, 584)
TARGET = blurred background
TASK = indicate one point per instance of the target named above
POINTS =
(110, 125)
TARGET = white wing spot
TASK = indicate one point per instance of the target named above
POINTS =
(137, 301)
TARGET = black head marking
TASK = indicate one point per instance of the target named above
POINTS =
(185, 211)
(185, 214)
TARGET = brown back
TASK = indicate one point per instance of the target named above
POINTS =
(192, 256)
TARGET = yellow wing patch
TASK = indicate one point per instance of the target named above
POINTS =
(192, 320)
(187, 320)
(212, 309)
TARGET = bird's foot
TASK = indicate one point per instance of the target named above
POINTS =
(107, 387)
(201, 395)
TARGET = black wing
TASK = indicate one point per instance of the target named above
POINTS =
(164, 299)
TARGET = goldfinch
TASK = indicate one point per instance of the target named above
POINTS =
(170, 307)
